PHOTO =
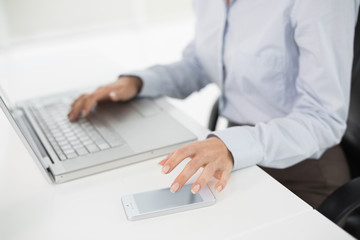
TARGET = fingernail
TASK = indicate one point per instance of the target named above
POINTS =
(195, 189)
(112, 95)
(219, 188)
(72, 117)
(165, 169)
(83, 113)
(174, 187)
(161, 163)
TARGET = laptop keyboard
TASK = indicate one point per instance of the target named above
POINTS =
(70, 140)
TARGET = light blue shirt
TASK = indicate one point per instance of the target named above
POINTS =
(283, 66)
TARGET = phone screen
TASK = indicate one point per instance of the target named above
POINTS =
(164, 199)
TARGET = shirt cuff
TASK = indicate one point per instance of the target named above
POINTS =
(244, 147)
(149, 80)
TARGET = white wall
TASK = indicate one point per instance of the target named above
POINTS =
(3, 27)
(29, 19)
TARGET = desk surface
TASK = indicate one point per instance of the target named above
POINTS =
(307, 225)
(90, 208)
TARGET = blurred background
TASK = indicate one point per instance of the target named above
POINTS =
(34, 19)
(48, 46)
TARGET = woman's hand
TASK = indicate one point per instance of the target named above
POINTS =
(125, 88)
(211, 154)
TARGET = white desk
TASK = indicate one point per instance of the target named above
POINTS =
(308, 225)
(90, 208)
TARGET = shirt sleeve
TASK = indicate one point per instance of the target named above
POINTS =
(324, 33)
(176, 80)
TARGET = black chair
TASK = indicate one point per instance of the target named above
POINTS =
(343, 206)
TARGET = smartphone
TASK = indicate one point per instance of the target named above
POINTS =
(162, 201)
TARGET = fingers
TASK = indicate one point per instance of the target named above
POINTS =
(221, 184)
(125, 88)
(211, 154)
(162, 162)
(85, 102)
(88, 105)
(209, 171)
(190, 169)
(177, 157)
(76, 107)
(204, 178)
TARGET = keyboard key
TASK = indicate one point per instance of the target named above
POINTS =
(67, 130)
(66, 147)
(62, 157)
(59, 139)
(71, 155)
(111, 137)
(69, 135)
(87, 142)
(75, 142)
(84, 138)
(99, 141)
(81, 151)
(94, 135)
(92, 148)
(58, 152)
(116, 142)
(79, 132)
(52, 141)
(57, 134)
(70, 140)
(63, 143)
(77, 146)
(69, 151)
(57, 148)
(103, 146)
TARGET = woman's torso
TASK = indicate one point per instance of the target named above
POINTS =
(254, 59)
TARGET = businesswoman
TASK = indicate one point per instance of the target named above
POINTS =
(283, 67)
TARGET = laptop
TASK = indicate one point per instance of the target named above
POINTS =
(113, 135)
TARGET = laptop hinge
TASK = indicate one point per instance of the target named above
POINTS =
(32, 138)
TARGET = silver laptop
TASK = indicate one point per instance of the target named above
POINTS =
(114, 134)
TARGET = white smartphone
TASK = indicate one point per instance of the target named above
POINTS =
(162, 201)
